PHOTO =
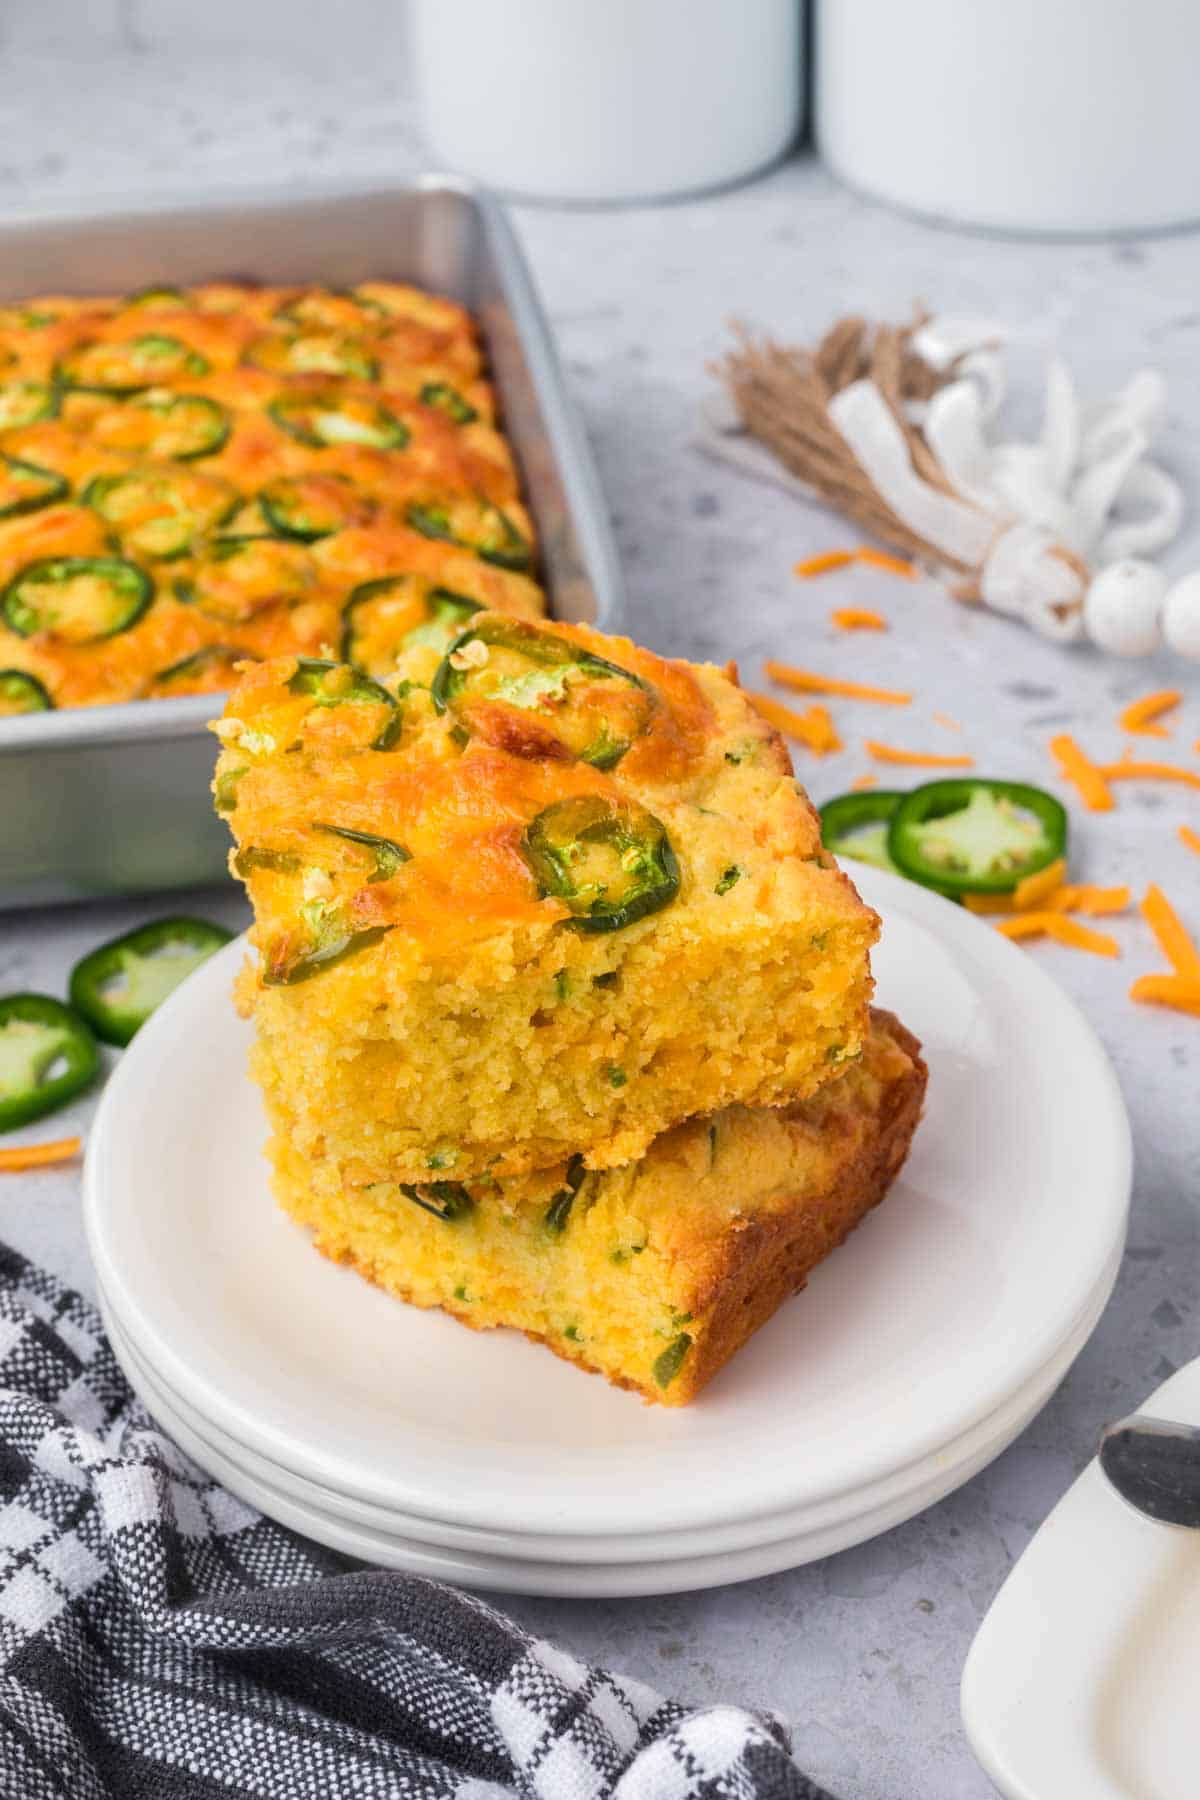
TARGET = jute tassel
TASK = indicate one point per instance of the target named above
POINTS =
(782, 397)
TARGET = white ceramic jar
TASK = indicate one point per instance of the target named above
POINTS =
(1031, 115)
(608, 100)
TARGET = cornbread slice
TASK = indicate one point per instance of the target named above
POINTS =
(654, 1273)
(548, 895)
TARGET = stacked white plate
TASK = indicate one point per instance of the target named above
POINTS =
(916, 1354)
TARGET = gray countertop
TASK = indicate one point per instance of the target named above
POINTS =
(863, 1651)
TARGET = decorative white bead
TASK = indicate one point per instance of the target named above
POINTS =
(1123, 606)
(1181, 617)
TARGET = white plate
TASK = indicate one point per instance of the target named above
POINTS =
(340, 1523)
(832, 1525)
(943, 1306)
(1084, 1676)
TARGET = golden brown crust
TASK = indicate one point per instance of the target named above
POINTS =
(774, 1255)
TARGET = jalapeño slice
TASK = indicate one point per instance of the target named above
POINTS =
(243, 575)
(446, 1200)
(79, 598)
(259, 856)
(25, 487)
(126, 365)
(47, 1055)
(307, 507)
(25, 402)
(387, 855)
(448, 400)
(26, 318)
(473, 525)
(176, 427)
(324, 309)
(313, 353)
(332, 941)
(575, 702)
(157, 299)
(609, 861)
(558, 1214)
(856, 825)
(975, 836)
(203, 672)
(336, 684)
(386, 617)
(21, 692)
(159, 513)
(119, 985)
(330, 419)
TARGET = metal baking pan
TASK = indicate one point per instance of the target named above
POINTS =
(115, 799)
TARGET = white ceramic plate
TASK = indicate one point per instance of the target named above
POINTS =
(1083, 1679)
(942, 1308)
(348, 1526)
(848, 1519)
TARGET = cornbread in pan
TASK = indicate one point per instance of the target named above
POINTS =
(189, 478)
(653, 1273)
(553, 902)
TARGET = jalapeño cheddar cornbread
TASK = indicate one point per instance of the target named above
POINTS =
(653, 1273)
(189, 479)
(544, 896)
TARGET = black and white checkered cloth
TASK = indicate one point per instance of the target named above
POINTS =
(161, 1641)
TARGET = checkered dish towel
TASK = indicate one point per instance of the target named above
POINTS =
(161, 1641)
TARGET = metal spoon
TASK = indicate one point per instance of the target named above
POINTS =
(1154, 1464)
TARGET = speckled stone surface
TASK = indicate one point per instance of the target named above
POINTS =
(862, 1652)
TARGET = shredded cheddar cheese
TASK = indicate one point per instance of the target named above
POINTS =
(1047, 892)
(1129, 769)
(915, 759)
(1190, 838)
(1091, 900)
(823, 564)
(1084, 775)
(883, 559)
(814, 728)
(804, 681)
(1140, 717)
(37, 1156)
(858, 618)
(1063, 930)
(1030, 893)
(1173, 938)
(1176, 991)
(870, 781)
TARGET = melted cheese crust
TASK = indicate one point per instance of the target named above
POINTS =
(706, 765)
(405, 426)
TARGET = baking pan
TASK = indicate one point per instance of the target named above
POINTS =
(115, 799)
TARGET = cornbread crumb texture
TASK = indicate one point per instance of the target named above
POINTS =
(652, 1273)
(544, 894)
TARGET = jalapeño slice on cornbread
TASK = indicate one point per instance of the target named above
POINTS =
(612, 910)
(266, 470)
(653, 1273)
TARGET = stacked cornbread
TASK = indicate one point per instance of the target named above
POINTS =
(561, 1009)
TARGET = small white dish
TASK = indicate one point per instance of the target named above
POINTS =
(943, 1307)
(1084, 1676)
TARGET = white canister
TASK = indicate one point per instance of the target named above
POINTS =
(1031, 115)
(608, 100)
